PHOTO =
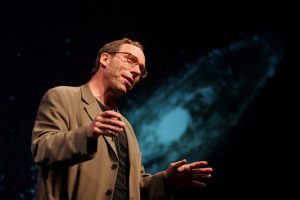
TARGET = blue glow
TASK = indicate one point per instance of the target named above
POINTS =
(173, 125)
(192, 111)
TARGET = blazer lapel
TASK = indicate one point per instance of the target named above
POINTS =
(92, 108)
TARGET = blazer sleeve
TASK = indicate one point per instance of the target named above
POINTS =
(52, 141)
(155, 187)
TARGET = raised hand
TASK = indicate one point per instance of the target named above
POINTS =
(107, 123)
(182, 174)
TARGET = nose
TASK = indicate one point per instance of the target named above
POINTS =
(135, 76)
(135, 71)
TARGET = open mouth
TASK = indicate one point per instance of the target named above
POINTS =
(129, 81)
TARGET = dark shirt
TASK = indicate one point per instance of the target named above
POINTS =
(121, 187)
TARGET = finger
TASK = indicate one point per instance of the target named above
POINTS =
(198, 184)
(106, 130)
(114, 122)
(202, 170)
(111, 114)
(178, 163)
(109, 120)
(198, 164)
(109, 126)
(201, 176)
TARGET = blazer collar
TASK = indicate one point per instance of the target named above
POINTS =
(86, 94)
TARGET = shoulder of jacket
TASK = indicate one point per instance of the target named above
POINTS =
(64, 89)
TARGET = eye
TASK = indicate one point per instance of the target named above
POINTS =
(142, 69)
(132, 60)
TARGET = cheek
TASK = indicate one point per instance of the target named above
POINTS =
(114, 70)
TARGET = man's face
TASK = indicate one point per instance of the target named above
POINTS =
(124, 68)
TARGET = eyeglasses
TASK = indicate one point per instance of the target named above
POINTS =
(133, 62)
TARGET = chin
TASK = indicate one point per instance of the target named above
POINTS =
(122, 91)
(127, 88)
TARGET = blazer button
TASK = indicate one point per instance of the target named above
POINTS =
(114, 166)
(108, 192)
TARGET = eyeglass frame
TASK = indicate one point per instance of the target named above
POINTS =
(132, 63)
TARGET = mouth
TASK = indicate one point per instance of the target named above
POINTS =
(129, 81)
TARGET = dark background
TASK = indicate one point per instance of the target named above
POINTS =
(55, 43)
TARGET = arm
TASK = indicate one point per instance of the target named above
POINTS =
(163, 185)
(154, 186)
(52, 140)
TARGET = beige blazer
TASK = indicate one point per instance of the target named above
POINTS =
(75, 167)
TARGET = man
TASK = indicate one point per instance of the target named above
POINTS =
(87, 150)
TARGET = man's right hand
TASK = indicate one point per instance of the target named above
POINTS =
(107, 123)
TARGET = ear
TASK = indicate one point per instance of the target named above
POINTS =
(104, 59)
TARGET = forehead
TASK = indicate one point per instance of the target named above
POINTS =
(134, 50)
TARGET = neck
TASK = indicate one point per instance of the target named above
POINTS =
(102, 93)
